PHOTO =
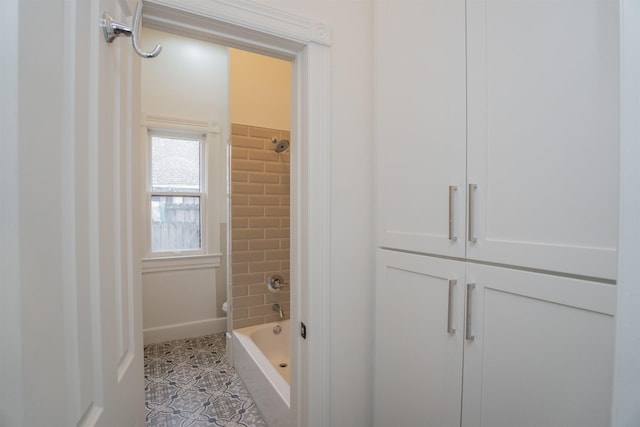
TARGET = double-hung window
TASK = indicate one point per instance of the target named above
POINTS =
(176, 196)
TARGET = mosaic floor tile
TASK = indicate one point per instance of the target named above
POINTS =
(189, 383)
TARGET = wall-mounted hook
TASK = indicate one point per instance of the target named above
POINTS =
(113, 29)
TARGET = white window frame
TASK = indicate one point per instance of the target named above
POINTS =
(202, 194)
(212, 176)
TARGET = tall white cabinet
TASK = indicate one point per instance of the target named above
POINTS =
(543, 133)
(420, 130)
(497, 190)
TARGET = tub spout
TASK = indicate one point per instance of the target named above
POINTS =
(278, 309)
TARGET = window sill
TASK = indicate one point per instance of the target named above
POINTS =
(190, 262)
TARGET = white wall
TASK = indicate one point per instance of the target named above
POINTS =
(188, 82)
(626, 389)
(189, 79)
(352, 255)
(11, 231)
(179, 304)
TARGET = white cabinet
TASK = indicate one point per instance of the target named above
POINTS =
(542, 350)
(420, 127)
(524, 109)
(496, 164)
(533, 349)
(543, 121)
(419, 341)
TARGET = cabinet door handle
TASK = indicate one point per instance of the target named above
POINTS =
(472, 188)
(452, 190)
(468, 335)
(450, 328)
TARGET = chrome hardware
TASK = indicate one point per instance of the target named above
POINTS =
(278, 309)
(450, 328)
(280, 145)
(452, 190)
(275, 283)
(472, 189)
(277, 329)
(113, 29)
(468, 335)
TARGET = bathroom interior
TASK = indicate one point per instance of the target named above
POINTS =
(512, 257)
(234, 275)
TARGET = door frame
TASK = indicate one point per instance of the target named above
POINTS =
(306, 43)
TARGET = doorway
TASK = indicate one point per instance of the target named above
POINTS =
(216, 201)
(305, 43)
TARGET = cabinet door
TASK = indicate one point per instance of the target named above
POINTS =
(420, 119)
(543, 119)
(543, 136)
(418, 340)
(542, 352)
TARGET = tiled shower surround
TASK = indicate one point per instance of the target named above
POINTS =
(259, 224)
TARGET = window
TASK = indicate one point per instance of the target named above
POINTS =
(175, 193)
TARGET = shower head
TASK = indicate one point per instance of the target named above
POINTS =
(280, 145)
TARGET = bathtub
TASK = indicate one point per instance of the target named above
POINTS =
(262, 360)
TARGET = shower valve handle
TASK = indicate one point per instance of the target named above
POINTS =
(275, 283)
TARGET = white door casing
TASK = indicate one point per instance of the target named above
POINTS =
(304, 42)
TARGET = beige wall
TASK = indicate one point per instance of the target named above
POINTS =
(260, 90)
(260, 223)
(259, 104)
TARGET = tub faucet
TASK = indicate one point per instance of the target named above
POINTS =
(278, 309)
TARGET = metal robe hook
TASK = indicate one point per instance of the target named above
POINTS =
(113, 29)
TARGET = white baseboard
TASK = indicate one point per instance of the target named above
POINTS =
(184, 330)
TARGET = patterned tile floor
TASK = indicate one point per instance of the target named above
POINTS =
(189, 382)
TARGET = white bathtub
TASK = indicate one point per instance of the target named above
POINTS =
(258, 356)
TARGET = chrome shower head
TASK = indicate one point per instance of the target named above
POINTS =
(280, 145)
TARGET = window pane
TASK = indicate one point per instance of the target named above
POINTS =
(175, 223)
(175, 164)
